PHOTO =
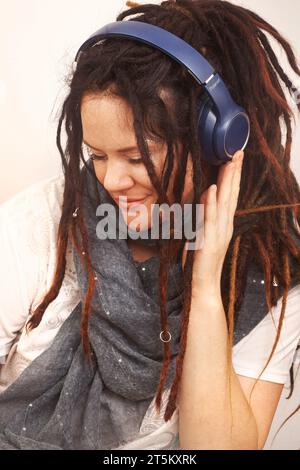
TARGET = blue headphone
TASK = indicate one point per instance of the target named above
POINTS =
(223, 126)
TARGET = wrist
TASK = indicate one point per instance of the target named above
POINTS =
(208, 294)
(210, 281)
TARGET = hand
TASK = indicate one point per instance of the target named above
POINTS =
(220, 203)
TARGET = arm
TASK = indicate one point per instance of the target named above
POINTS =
(205, 416)
(212, 415)
(16, 273)
(25, 231)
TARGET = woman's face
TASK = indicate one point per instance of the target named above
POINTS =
(108, 132)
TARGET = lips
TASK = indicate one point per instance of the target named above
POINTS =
(129, 202)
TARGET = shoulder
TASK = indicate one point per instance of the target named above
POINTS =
(251, 354)
(28, 231)
(31, 217)
(43, 196)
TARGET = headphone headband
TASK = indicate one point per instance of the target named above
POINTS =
(163, 40)
(174, 47)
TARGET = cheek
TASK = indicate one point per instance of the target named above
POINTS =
(99, 172)
(142, 178)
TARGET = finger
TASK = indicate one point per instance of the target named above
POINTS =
(236, 184)
(225, 180)
(210, 213)
(228, 199)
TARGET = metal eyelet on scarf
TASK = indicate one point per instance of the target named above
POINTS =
(165, 341)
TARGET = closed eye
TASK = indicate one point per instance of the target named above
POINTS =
(100, 158)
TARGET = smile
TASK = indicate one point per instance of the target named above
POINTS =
(127, 204)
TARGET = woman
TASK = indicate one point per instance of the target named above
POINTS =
(206, 337)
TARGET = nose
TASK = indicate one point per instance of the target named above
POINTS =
(117, 177)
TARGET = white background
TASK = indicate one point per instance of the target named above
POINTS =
(38, 42)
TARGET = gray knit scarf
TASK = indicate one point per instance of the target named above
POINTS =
(61, 401)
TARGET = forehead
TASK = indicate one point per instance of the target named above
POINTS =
(107, 123)
(102, 109)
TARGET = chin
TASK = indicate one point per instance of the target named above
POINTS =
(144, 225)
(140, 222)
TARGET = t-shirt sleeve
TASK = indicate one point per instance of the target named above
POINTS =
(25, 234)
(251, 354)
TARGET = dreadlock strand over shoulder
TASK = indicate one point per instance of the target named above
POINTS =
(232, 39)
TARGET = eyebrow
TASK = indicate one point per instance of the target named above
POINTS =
(125, 149)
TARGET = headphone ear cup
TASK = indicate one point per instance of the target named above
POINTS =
(207, 120)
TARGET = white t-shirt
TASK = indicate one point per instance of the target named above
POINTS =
(28, 229)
